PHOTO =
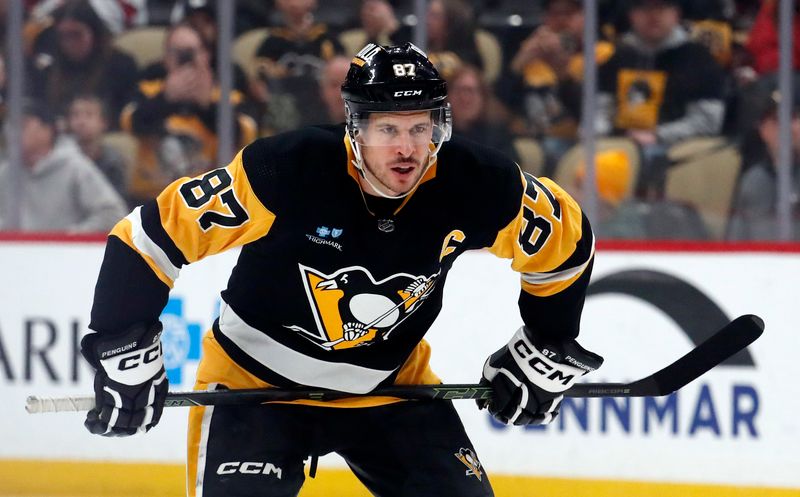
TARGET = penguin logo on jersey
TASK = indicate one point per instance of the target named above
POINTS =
(470, 460)
(352, 309)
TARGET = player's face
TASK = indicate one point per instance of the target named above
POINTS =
(395, 148)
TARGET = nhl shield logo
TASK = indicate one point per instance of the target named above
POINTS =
(352, 309)
(386, 225)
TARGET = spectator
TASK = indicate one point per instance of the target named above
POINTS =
(61, 190)
(175, 118)
(83, 60)
(763, 40)
(117, 15)
(546, 74)
(469, 96)
(451, 36)
(379, 21)
(87, 122)
(379, 25)
(330, 87)
(755, 202)
(290, 60)
(201, 17)
(659, 87)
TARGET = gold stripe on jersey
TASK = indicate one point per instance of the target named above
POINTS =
(216, 367)
(184, 223)
(124, 230)
(545, 233)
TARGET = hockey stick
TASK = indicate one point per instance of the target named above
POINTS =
(729, 340)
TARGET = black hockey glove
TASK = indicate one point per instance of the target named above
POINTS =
(527, 377)
(130, 384)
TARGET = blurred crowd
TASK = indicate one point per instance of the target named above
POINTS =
(121, 98)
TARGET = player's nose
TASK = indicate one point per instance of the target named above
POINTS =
(405, 145)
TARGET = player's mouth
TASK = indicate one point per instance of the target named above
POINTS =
(404, 168)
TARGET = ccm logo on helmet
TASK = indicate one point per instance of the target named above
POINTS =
(537, 363)
(145, 357)
(249, 468)
(408, 93)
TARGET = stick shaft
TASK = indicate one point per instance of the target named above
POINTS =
(732, 338)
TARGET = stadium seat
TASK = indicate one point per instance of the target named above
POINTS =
(145, 45)
(491, 54)
(352, 40)
(244, 49)
(531, 156)
(124, 143)
(566, 173)
(704, 174)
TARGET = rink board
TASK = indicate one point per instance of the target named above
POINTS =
(735, 427)
(22, 478)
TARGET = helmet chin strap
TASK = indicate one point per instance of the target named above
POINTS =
(358, 162)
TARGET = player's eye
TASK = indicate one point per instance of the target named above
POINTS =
(388, 130)
(419, 129)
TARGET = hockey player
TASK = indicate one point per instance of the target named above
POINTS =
(347, 236)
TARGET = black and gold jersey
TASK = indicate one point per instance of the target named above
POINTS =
(651, 89)
(333, 289)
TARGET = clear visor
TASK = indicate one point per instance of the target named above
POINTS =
(421, 129)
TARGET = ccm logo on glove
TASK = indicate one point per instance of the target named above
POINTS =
(539, 361)
(132, 363)
(137, 359)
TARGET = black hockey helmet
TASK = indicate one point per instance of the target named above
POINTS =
(395, 78)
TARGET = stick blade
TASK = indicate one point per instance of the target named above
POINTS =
(732, 338)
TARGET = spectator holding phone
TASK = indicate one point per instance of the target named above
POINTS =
(175, 117)
(544, 82)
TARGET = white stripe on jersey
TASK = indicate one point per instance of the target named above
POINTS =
(541, 278)
(202, 451)
(295, 365)
(148, 247)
